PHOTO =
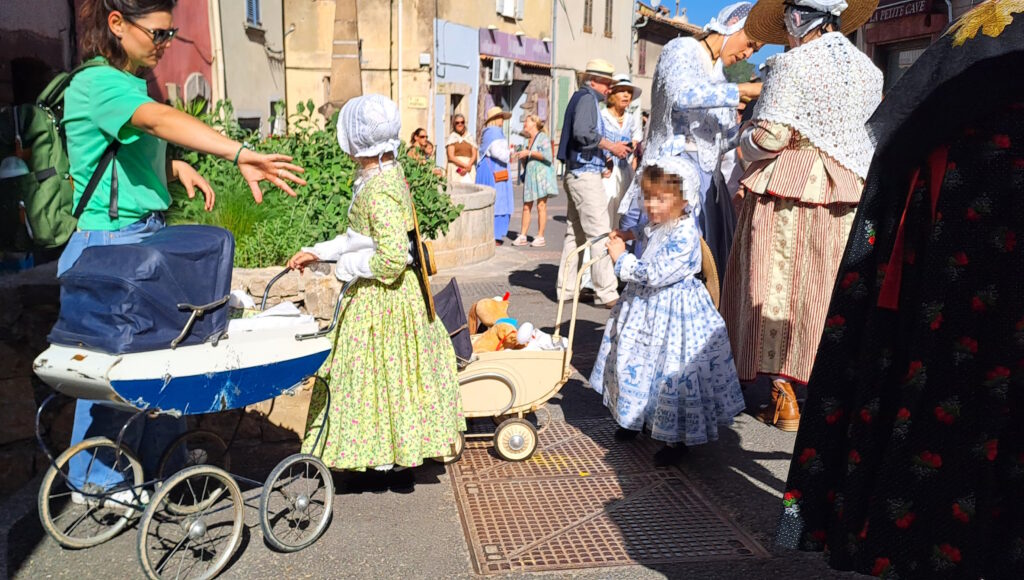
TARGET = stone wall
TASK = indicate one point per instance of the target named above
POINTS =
(470, 238)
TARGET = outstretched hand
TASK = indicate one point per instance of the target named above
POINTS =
(191, 179)
(275, 168)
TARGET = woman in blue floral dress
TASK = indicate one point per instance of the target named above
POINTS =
(539, 183)
(665, 363)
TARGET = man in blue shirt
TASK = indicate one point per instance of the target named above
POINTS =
(580, 149)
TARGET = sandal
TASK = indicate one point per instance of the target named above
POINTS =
(520, 241)
(538, 242)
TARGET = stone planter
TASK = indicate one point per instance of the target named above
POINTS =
(470, 238)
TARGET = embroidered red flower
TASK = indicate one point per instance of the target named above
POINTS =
(932, 459)
(849, 280)
(833, 417)
(968, 344)
(865, 415)
(960, 259)
(997, 374)
(1001, 141)
(1010, 241)
(837, 320)
(854, 457)
(959, 514)
(913, 370)
(991, 449)
(1018, 163)
(936, 322)
(977, 304)
(807, 455)
(903, 414)
(864, 531)
(972, 216)
(819, 536)
(871, 240)
(904, 521)
(951, 553)
(943, 416)
(793, 494)
(881, 566)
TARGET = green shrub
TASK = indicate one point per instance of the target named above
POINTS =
(269, 233)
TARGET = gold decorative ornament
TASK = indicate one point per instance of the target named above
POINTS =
(991, 18)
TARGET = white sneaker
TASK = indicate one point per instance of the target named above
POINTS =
(121, 499)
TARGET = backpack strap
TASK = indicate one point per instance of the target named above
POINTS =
(101, 166)
(53, 95)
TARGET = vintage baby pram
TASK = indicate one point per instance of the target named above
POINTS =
(144, 328)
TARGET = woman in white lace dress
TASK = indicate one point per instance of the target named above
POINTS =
(810, 153)
(693, 114)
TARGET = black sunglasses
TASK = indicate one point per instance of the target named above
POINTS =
(158, 35)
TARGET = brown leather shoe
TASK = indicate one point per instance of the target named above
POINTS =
(611, 304)
(783, 412)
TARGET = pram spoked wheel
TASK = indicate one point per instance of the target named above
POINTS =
(296, 503)
(197, 447)
(515, 439)
(81, 518)
(197, 544)
(457, 448)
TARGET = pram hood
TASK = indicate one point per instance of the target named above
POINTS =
(124, 298)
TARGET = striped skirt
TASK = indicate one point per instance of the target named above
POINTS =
(779, 281)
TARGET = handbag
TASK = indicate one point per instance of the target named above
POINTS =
(501, 175)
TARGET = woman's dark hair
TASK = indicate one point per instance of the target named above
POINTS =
(456, 118)
(415, 133)
(98, 40)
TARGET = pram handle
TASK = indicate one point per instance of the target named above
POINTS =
(197, 311)
(337, 306)
(576, 288)
(282, 274)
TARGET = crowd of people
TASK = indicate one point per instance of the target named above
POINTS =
(873, 263)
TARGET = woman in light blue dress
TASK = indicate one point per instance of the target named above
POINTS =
(665, 364)
(492, 170)
(538, 177)
(693, 115)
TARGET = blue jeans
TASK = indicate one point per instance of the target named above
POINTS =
(148, 437)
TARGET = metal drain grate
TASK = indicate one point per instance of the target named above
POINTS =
(586, 501)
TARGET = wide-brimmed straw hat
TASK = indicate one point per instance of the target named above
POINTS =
(766, 21)
(495, 112)
(622, 81)
(599, 68)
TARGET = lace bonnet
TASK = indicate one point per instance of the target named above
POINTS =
(683, 167)
(730, 19)
(369, 126)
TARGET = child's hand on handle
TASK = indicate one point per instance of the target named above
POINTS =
(624, 235)
(302, 259)
(616, 247)
(275, 168)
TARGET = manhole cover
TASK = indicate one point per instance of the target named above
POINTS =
(585, 501)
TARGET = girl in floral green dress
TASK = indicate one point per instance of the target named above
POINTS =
(392, 375)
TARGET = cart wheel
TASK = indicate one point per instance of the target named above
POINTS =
(457, 448)
(297, 502)
(95, 517)
(197, 544)
(515, 440)
(199, 447)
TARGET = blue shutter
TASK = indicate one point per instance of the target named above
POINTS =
(252, 11)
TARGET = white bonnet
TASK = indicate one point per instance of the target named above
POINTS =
(369, 126)
(834, 7)
(730, 19)
(683, 167)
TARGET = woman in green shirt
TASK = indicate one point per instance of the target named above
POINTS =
(109, 103)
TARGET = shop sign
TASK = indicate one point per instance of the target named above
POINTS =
(900, 9)
(417, 102)
(517, 48)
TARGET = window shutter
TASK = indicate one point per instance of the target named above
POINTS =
(608, 18)
(521, 10)
(563, 99)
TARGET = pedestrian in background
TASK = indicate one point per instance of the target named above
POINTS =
(539, 183)
(461, 152)
(581, 148)
(492, 170)
(422, 150)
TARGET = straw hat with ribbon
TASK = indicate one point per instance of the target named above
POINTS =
(767, 24)
(495, 112)
(622, 81)
(599, 68)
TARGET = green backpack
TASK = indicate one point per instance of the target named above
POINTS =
(35, 208)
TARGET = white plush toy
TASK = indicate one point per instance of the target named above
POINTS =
(536, 339)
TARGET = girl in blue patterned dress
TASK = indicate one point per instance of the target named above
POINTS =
(665, 363)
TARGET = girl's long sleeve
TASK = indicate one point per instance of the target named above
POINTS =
(388, 210)
(670, 263)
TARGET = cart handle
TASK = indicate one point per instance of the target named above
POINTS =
(266, 291)
(576, 289)
(334, 320)
(497, 377)
(197, 311)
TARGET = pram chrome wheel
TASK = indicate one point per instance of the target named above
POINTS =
(199, 447)
(297, 502)
(81, 518)
(199, 544)
(515, 439)
(457, 448)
